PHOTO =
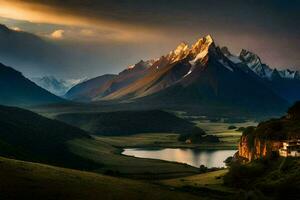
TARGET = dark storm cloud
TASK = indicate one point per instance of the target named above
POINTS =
(160, 13)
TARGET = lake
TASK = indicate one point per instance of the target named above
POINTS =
(193, 157)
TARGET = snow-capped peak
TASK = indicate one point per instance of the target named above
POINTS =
(202, 45)
(181, 51)
(130, 66)
(200, 49)
(181, 48)
(197, 51)
(289, 74)
(233, 58)
(142, 64)
(255, 64)
(250, 58)
(263, 70)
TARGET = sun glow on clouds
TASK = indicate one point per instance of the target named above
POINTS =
(58, 34)
(88, 28)
(16, 28)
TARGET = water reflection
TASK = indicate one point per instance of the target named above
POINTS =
(209, 158)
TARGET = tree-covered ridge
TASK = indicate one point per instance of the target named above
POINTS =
(128, 122)
(286, 127)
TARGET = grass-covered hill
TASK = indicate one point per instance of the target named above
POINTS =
(26, 180)
(127, 122)
(29, 136)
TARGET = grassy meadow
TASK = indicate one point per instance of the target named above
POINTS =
(210, 180)
(220, 129)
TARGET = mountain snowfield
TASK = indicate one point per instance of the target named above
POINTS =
(263, 70)
(255, 64)
(56, 86)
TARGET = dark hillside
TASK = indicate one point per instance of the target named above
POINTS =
(17, 90)
(29, 136)
(127, 122)
(279, 129)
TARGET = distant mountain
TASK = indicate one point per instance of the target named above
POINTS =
(20, 91)
(29, 136)
(202, 77)
(56, 86)
(263, 70)
(285, 83)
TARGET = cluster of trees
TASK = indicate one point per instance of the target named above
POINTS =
(197, 135)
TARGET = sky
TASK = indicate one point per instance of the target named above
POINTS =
(76, 38)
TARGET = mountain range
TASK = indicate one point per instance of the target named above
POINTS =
(202, 77)
(286, 82)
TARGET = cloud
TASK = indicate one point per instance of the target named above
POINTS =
(15, 28)
(39, 56)
(87, 32)
(58, 34)
(70, 14)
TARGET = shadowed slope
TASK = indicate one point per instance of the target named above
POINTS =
(18, 90)
(29, 136)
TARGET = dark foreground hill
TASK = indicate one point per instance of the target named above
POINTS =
(17, 90)
(29, 136)
(127, 122)
(266, 179)
(25, 180)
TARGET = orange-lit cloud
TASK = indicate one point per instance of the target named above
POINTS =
(58, 34)
(38, 13)
(90, 27)
(15, 28)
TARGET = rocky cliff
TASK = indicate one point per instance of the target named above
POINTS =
(254, 148)
(267, 138)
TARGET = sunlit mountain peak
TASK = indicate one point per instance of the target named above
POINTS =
(181, 51)
(202, 44)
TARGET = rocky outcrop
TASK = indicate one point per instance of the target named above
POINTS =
(270, 136)
(254, 148)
